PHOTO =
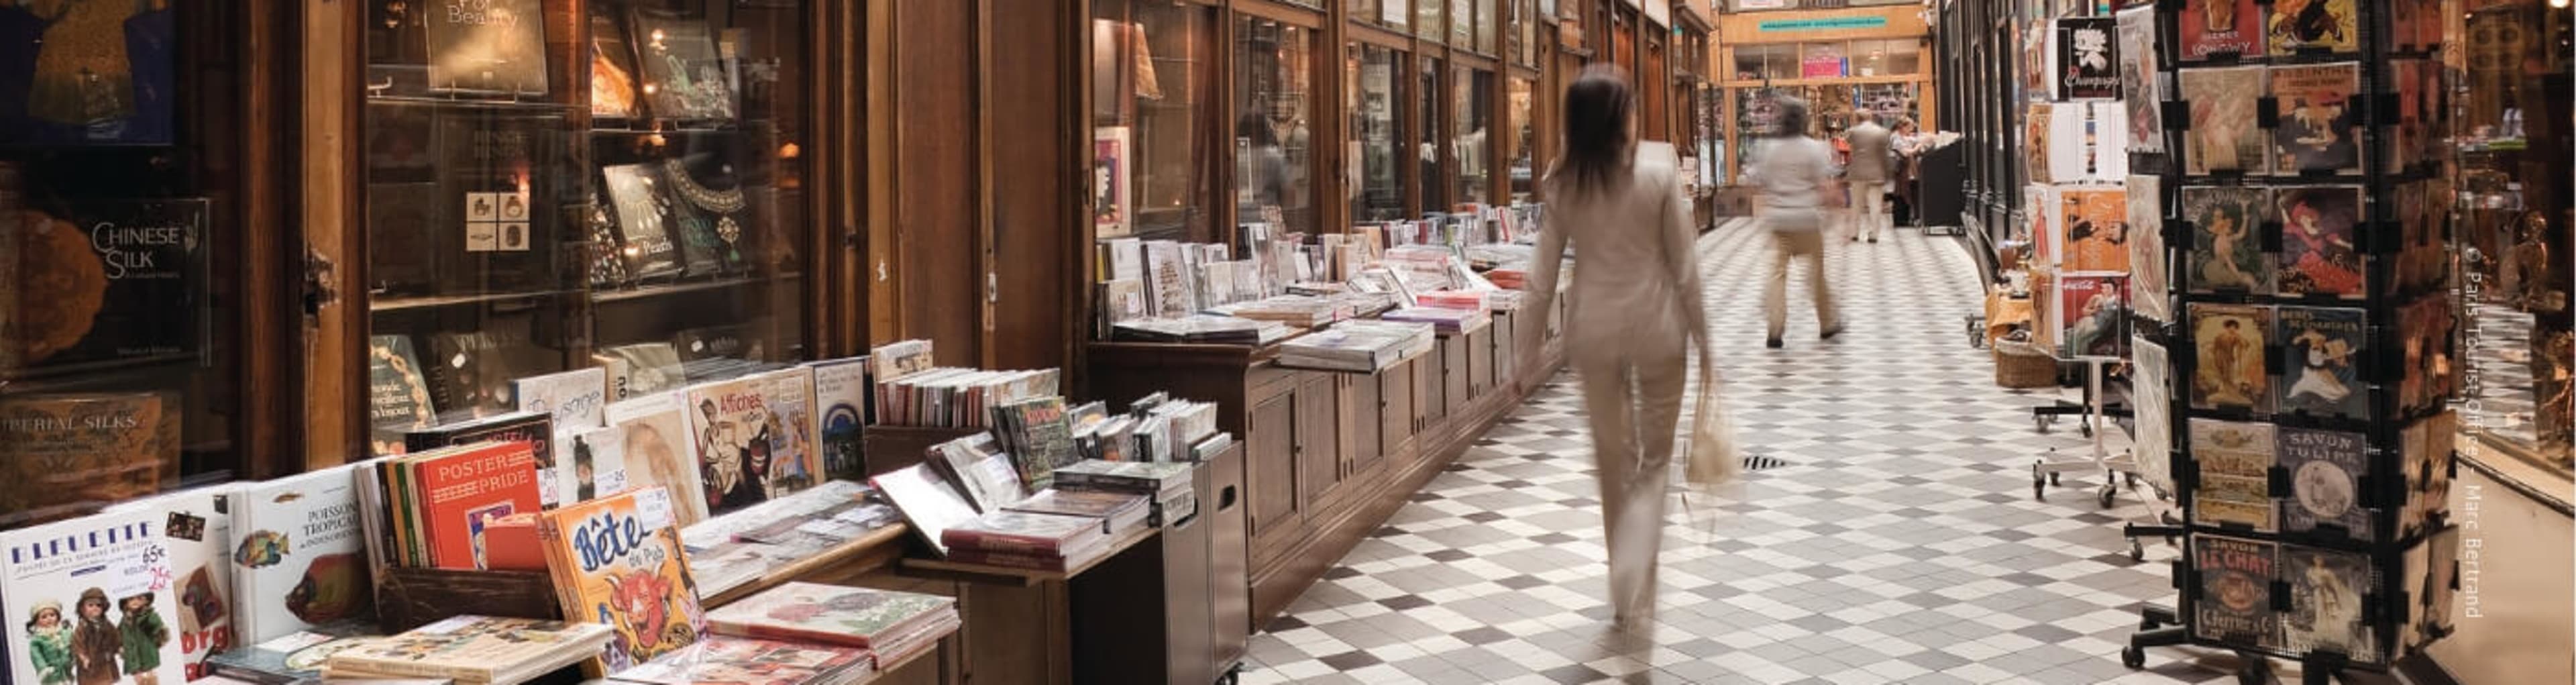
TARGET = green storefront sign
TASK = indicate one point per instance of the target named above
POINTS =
(1821, 24)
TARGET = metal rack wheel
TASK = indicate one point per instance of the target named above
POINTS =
(2053, 478)
(2105, 496)
(2133, 657)
(2038, 483)
(2256, 671)
(2040, 422)
(2137, 551)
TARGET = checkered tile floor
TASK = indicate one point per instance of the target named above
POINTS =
(1898, 543)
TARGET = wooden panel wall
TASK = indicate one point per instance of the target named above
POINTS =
(1034, 139)
(934, 248)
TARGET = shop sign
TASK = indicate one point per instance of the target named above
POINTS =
(1816, 23)
(1752, 5)
(1821, 64)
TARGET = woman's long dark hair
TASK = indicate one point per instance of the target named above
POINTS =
(1597, 111)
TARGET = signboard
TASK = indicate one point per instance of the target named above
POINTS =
(1821, 63)
(1755, 5)
(1815, 23)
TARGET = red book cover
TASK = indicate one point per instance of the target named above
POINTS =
(460, 494)
(510, 544)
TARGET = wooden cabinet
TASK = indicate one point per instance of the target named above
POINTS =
(1395, 418)
(1318, 448)
(1480, 362)
(1454, 394)
(1505, 362)
(1363, 409)
(1275, 515)
(1428, 408)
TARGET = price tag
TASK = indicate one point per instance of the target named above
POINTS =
(654, 508)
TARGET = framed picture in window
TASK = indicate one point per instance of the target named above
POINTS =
(1112, 215)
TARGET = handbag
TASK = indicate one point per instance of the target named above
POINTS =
(1714, 458)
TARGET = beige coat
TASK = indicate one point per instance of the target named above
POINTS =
(1629, 246)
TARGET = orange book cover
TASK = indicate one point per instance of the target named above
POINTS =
(510, 544)
(460, 494)
(618, 560)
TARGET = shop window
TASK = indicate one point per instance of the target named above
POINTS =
(1149, 64)
(1431, 19)
(1273, 151)
(1462, 24)
(1766, 62)
(2507, 201)
(1489, 26)
(1524, 138)
(1429, 146)
(623, 186)
(1372, 94)
(1472, 106)
(1895, 57)
(121, 254)
(1824, 60)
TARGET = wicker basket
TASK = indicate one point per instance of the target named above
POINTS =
(2020, 364)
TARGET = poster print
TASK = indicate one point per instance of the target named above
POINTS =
(2039, 126)
(2325, 468)
(2323, 344)
(2089, 307)
(2150, 289)
(2214, 28)
(2225, 253)
(2097, 229)
(2086, 59)
(2141, 81)
(2327, 589)
(2318, 230)
(2302, 25)
(2228, 371)
(2223, 136)
(89, 73)
(2235, 591)
(1112, 210)
(2318, 131)
(2151, 393)
(2234, 465)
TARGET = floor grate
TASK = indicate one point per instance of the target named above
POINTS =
(1762, 463)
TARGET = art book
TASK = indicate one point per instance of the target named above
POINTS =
(2235, 460)
(2323, 345)
(2223, 136)
(2214, 28)
(653, 443)
(613, 92)
(2319, 130)
(2225, 252)
(299, 554)
(471, 650)
(828, 614)
(196, 529)
(730, 427)
(2326, 468)
(2327, 591)
(2150, 287)
(72, 454)
(2151, 394)
(841, 394)
(2228, 367)
(684, 76)
(795, 458)
(2235, 604)
(573, 401)
(487, 46)
(398, 395)
(618, 561)
(927, 500)
(725, 660)
(85, 74)
(2312, 25)
(460, 492)
(1039, 435)
(103, 284)
(2089, 308)
(2097, 229)
(643, 222)
(92, 592)
(2086, 59)
(2142, 91)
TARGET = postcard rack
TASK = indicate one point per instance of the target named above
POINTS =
(2310, 333)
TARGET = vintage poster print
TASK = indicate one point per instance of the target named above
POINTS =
(2212, 28)
(2039, 125)
(2086, 59)
(2229, 371)
(2235, 604)
(2301, 25)
(2234, 462)
(2326, 593)
(2141, 83)
(2323, 345)
(1111, 193)
(2225, 253)
(2223, 135)
(2097, 229)
(2150, 291)
(2325, 470)
(2151, 393)
(2318, 131)
(2089, 308)
(2317, 251)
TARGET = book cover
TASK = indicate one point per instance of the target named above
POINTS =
(2225, 252)
(613, 93)
(572, 400)
(1168, 279)
(2235, 604)
(1039, 436)
(2211, 28)
(2142, 92)
(473, 372)
(2151, 396)
(103, 284)
(2323, 346)
(2039, 139)
(487, 46)
(196, 530)
(2045, 241)
(2318, 256)
(458, 493)
(2229, 370)
(1024, 532)
(2087, 58)
(827, 614)
(2327, 592)
(92, 74)
(471, 650)
(618, 561)
(653, 440)
(982, 470)
(1116, 510)
(643, 216)
(298, 555)
(2097, 229)
(94, 593)
(726, 660)
(684, 77)
(2235, 473)
(711, 205)
(398, 394)
(641, 369)
(796, 460)
(598, 465)
(730, 426)
(1111, 194)
(927, 500)
(2326, 468)
(2319, 130)
(2150, 286)
(2306, 25)
(72, 454)
(294, 657)
(529, 427)
(841, 394)
(2089, 312)
(2223, 135)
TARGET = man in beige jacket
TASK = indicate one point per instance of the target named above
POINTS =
(1868, 174)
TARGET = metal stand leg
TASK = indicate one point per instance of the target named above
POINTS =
(2043, 473)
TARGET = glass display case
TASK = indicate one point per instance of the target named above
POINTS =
(552, 186)
(1431, 19)
(1274, 154)
(2510, 117)
(1150, 120)
(1372, 87)
(1523, 141)
(122, 245)
(1472, 105)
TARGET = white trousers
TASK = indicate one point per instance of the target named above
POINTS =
(1869, 209)
(1633, 394)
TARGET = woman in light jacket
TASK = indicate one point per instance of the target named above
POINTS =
(1636, 313)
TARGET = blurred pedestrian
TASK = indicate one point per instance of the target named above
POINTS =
(1795, 178)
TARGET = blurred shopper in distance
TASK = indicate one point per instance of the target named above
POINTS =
(1871, 160)
(1795, 176)
(1910, 144)
(1636, 312)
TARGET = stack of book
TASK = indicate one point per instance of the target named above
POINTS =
(1452, 299)
(740, 548)
(440, 499)
(749, 661)
(1168, 485)
(892, 626)
(1117, 512)
(958, 398)
(1361, 346)
(298, 656)
(472, 650)
(1203, 328)
(1302, 311)
(1016, 539)
(1510, 275)
(1494, 255)
(1444, 319)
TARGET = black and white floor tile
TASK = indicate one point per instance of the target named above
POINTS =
(1895, 541)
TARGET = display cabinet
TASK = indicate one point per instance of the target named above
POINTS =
(1274, 146)
(1151, 72)
(1373, 88)
(2509, 122)
(1471, 105)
